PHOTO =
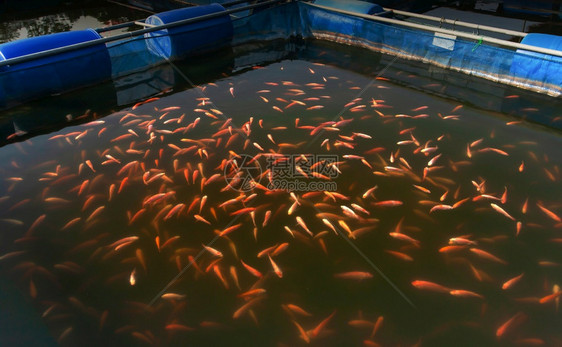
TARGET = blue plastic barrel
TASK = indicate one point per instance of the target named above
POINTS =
(356, 6)
(53, 73)
(538, 66)
(189, 39)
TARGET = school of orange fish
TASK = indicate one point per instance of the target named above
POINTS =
(131, 228)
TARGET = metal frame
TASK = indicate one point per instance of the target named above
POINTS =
(150, 29)
(459, 23)
(132, 34)
(446, 31)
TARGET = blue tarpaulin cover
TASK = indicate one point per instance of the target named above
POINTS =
(537, 72)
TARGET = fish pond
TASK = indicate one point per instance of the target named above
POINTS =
(301, 200)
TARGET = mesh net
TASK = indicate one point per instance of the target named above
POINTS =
(447, 51)
(301, 20)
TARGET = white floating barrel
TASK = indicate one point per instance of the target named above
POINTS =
(192, 38)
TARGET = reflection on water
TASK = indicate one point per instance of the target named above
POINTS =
(65, 20)
(57, 111)
(417, 219)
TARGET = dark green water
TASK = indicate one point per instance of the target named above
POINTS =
(79, 279)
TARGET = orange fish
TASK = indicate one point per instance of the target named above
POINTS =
(302, 332)
(252, 292)
(316, 107)
(502, 211)
(404, 237)
(36, 223)
(452, 248)
(230, 229)
(509, 283)
(465, 293)
(550, 297)
(400, 255)
(369, 192)
(251, 270)
(175, 210)
(329, 225)
(266, 251)
(460, 241)
(549, 213)
(178, 327)
(322, 325)
(377, 326)
(517, 319)
(303, 225)
(426, 285)
(276, 268)
(440, 208)
(213, 251)
(279, 249)
(243, 210)
(486, 255)
(298, 310)
(239, 312)
(388, 203)
(433, 160)
(354, 275)
(94, 214)
(201, 219)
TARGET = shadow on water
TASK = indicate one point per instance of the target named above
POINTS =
(21, 323)
(58, 111)
(55, 112)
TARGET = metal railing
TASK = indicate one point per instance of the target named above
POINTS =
(446, 31)
(455, 22)
(69, 48)
(141, 22)
(147, 29)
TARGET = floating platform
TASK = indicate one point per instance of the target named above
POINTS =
(70, 60)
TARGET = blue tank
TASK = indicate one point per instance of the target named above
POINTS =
(539, 66)
(52, 74)
(189, 39)
(356, 6)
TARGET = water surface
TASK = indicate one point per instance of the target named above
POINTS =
(105, 223)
